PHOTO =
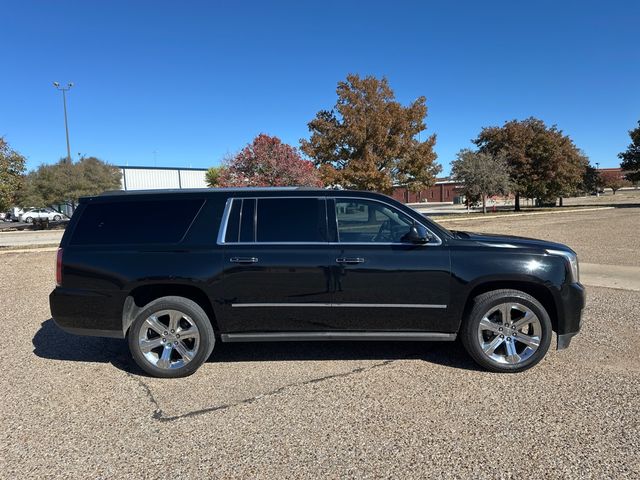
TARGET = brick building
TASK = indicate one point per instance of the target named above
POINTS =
(444, 190)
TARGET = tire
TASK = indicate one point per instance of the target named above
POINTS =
(506, 347)
(57, 218)
(155, 339)
(28, 220)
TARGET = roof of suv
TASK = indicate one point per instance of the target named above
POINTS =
(208, 190)
(239, 191)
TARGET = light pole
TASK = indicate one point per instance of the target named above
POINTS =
(597, 179)
(64, 91)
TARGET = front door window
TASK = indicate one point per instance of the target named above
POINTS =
(366, 221)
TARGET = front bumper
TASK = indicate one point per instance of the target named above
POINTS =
(573, 300)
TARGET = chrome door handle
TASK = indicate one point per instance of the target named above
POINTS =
(350, 260)
(243, 260)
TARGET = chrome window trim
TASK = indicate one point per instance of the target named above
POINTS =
(222, 232)
(340, 305)
(240, 220)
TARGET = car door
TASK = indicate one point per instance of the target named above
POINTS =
(381, 282)
(276, 255)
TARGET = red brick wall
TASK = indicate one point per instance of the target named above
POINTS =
(440, 192)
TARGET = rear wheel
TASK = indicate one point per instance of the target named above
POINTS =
(171, 337)
(28, 220)
(506, 331)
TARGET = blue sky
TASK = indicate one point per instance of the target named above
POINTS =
(195, 80)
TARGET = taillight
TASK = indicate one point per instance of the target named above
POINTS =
(59, 268)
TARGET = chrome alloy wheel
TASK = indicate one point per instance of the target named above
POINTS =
(509, 333)
(169, 339)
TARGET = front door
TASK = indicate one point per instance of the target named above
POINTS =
(276, 275)
(380, 282)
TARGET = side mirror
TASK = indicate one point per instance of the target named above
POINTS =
(416, 236)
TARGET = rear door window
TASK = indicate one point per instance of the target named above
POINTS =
(135, 222)
(291, 220)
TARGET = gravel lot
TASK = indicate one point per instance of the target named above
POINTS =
(75, 407)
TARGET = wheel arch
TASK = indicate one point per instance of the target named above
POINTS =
(536, 290)
(142, 295)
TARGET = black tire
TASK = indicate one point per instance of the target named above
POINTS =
(28, 220)
(57, 218)
(196, 314)
(482, 304)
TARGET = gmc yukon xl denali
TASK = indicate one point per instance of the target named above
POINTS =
(175, 271)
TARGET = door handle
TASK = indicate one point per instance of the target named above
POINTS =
(350, 260)
(243, 260)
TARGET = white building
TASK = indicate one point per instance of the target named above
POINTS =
(153, 178)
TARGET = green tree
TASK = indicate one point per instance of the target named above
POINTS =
(213, 175)
(544, 163)
(12, 167)
(368, 140)
(482, 174)
(65, 182)
(631, 156)
(591, 180)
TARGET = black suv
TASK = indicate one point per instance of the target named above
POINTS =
(174, 271)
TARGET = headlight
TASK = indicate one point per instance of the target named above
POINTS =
(572, 259)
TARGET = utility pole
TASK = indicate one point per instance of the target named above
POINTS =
(64, 91)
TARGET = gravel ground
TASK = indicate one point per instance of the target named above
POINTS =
(76, 407)
(610, 237)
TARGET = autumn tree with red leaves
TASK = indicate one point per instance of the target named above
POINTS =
(613, 180)
(267, 162)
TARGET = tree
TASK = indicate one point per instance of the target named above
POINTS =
(65, 182)
(614, 181)
(213, 176)
(631, 157)
(544, 163)
(12, 167)
(482, 174)
(591, 180)
(268, 162)
(368, 140)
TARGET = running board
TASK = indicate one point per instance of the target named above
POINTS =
(314, 336)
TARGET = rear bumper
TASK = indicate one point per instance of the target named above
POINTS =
(85, 312)
(573, 301)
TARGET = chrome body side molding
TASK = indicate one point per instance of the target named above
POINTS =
(319, 336)
(340, 305)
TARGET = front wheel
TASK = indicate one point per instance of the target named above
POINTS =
(57, 218)
(506, 331)
(171, 337)
(28, 220)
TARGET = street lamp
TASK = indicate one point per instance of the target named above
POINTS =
(64, 91)
(597, 179)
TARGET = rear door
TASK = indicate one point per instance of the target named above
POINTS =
(276, 256)
(380, 282)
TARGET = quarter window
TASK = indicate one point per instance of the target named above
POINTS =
(365, 221)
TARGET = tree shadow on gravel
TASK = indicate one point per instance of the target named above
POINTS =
(52, 343)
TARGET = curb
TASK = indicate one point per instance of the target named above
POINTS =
(511, 215)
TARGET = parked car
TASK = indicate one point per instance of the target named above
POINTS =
(278, 264)
(34, 213)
